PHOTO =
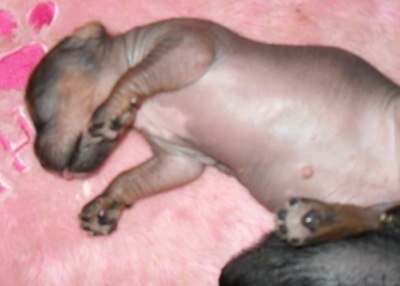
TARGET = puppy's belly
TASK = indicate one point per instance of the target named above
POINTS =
(282, 135)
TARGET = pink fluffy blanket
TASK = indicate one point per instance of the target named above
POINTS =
(182, 237)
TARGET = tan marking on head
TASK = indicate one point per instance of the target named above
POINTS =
(81, 93)
(77, 100)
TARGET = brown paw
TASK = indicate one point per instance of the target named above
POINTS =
(108, 124)
(100, 216)
(300, 220)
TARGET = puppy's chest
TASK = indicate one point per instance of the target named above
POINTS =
(161, 119)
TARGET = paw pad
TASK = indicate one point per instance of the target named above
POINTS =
(100, 216)
(298, 221)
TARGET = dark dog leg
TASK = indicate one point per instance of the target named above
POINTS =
(368, 259)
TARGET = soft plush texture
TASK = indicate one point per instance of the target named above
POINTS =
(182, 237)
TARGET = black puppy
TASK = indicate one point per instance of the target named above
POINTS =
(368, 260)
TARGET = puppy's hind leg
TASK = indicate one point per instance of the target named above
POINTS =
(307, 221)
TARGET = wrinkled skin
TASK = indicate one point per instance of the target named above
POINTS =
(286, 121)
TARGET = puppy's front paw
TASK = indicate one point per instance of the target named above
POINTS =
(100, 216)
(109, 121)
(302, 221)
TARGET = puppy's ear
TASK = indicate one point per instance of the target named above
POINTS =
(88, 35)
(92, 30)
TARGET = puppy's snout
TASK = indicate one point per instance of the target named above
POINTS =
(50, 164)
(45, 163)
(72, 152)
(51, 152)
(47, 160)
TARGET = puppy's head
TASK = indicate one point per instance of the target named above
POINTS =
(63, 92)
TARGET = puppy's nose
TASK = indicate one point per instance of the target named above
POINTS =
(50, 165)
(66, 174)
(44, 164)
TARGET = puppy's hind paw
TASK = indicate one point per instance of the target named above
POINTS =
(307, 221)
(301, 220)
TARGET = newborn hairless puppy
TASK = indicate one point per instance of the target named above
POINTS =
(288, 122)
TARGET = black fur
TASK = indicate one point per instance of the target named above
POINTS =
(368, 260)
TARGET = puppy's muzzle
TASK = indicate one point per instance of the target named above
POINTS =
(82, 155)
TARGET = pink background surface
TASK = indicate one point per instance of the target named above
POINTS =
(185, 236)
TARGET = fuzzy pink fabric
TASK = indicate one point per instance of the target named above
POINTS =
(185, 236)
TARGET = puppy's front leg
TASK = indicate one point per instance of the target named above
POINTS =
(163, 57)
(160, 173)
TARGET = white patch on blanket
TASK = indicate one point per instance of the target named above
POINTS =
(87, 189)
